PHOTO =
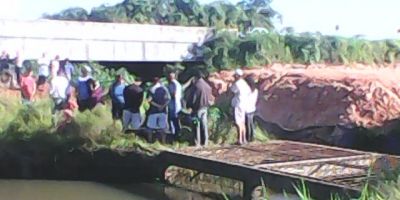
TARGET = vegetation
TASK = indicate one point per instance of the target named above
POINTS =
(244, 15)
(255, 43)
(227, 50)
(90, 130)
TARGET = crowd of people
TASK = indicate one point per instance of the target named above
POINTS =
(167, 101)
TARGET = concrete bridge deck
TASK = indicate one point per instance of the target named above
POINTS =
(281, 165)
(95, 41)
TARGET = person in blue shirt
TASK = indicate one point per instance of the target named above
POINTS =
(83, 89)
(117, 97)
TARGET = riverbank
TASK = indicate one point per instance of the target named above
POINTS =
(355, 106)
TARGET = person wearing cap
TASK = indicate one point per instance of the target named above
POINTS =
(116, 93)
(241, 91)
(83, 89)
(251, 107)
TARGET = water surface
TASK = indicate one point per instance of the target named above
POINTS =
(81, 190)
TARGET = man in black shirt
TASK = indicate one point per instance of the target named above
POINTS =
(198, 98)
(4, 59)
(159, 98)
(133, 96)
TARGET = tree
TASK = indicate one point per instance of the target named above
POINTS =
(75, 13)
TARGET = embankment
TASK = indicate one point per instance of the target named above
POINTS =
(36, 159)
(337, 105)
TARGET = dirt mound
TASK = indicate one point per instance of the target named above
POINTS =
(297, 97)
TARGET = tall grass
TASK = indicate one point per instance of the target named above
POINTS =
(90, 130)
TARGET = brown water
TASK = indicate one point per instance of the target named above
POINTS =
(80, 190)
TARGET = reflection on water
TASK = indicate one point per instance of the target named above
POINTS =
(80, 190)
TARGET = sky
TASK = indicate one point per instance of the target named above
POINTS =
(372, 18)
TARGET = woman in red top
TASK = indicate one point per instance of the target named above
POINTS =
(28, 86)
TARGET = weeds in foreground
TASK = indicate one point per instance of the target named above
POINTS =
(93, 130)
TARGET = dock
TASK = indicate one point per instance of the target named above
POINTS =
(282, 166)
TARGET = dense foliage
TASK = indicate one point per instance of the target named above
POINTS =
(244, 15)
(228, 50)
(255, 43)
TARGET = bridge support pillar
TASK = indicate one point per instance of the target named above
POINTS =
(248, 188)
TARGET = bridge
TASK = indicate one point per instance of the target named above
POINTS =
(282, 165)
(93, 41)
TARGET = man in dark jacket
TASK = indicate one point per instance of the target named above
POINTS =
(4, 59)
(133, 96)
(117, 97)
(198, 98)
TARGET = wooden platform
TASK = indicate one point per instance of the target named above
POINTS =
(281, 165)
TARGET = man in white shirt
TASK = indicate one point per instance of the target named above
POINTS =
(59, 90)
(44, 63)
(55, 66)
(69, 69)
(241, 90)
(44, 70)
(175, 105)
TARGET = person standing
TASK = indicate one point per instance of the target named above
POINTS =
(44, 70)
(18, 63)
(251, 108)
(96, 93)
(241, 91)
(59, 87)
(175, 105)
(28, 86)
(159, 99)
(198, 98)
(55, 66)
(69, 69)
(4, 61)
(133, 96)
(117, 97)
(83, 89)
(59, 92)
(7, 80)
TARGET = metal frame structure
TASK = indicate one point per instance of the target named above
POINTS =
(281, 165)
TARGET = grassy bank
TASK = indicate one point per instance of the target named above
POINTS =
(90, 130)
(93, 130)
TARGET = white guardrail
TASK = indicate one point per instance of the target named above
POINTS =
(99, 41)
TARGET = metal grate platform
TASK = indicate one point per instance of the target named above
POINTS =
(284, 160)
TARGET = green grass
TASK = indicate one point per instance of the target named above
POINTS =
(94, 130)
(90, 130)
(383, 190)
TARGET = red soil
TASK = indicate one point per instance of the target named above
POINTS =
(300, 97)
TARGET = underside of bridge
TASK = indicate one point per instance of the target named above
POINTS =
(145, 70)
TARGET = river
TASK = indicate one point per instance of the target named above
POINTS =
(80, 190)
